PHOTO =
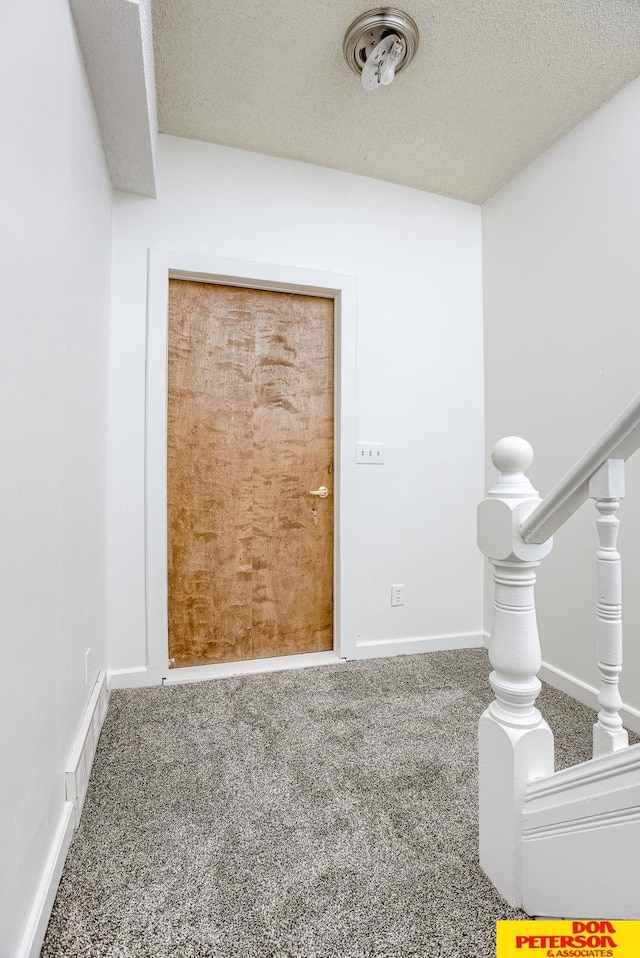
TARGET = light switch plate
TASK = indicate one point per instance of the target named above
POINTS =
(370, 453)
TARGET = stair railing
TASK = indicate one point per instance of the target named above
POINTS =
(515, 529)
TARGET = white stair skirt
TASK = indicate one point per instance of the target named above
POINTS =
(581, 835)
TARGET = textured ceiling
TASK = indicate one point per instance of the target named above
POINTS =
(493, 84)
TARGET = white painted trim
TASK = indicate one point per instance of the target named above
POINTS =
(585, 693)
(378, 648)
(606, 769)
(574, 820)
(586, 823)
(138, 678)
(38, 920)
(166, 264)
(85, 744)
(486, 636)
(280, 663)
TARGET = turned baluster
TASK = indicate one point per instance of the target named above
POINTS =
(515, 742)
(606, 487)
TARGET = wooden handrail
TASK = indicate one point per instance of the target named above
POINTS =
(619, 441)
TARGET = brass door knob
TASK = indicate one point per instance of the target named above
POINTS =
(322, 492)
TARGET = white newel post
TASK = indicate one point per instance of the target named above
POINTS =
(515, 742)
(607, 488)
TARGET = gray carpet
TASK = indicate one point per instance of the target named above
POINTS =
(321, 813)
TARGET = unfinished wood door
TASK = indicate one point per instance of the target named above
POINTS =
(250, 434)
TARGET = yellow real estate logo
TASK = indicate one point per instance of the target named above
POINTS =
(568, 939)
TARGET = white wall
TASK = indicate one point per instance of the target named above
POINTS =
(561, 254)
(417, 261)
(55, 227)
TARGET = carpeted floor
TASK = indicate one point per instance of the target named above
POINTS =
(321, 813)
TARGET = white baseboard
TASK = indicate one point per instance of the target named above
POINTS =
(485, 639)
(143, 677)
(202, 673)
(378, 648)
(138, 678)
(585, 693)
(84, 747)
(45, 896)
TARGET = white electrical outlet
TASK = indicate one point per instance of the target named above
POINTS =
(397, 595)
(370, 453)
(86, 666)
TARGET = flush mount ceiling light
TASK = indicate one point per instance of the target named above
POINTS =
(379, 44)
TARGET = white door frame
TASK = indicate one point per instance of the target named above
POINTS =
(164, 265)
